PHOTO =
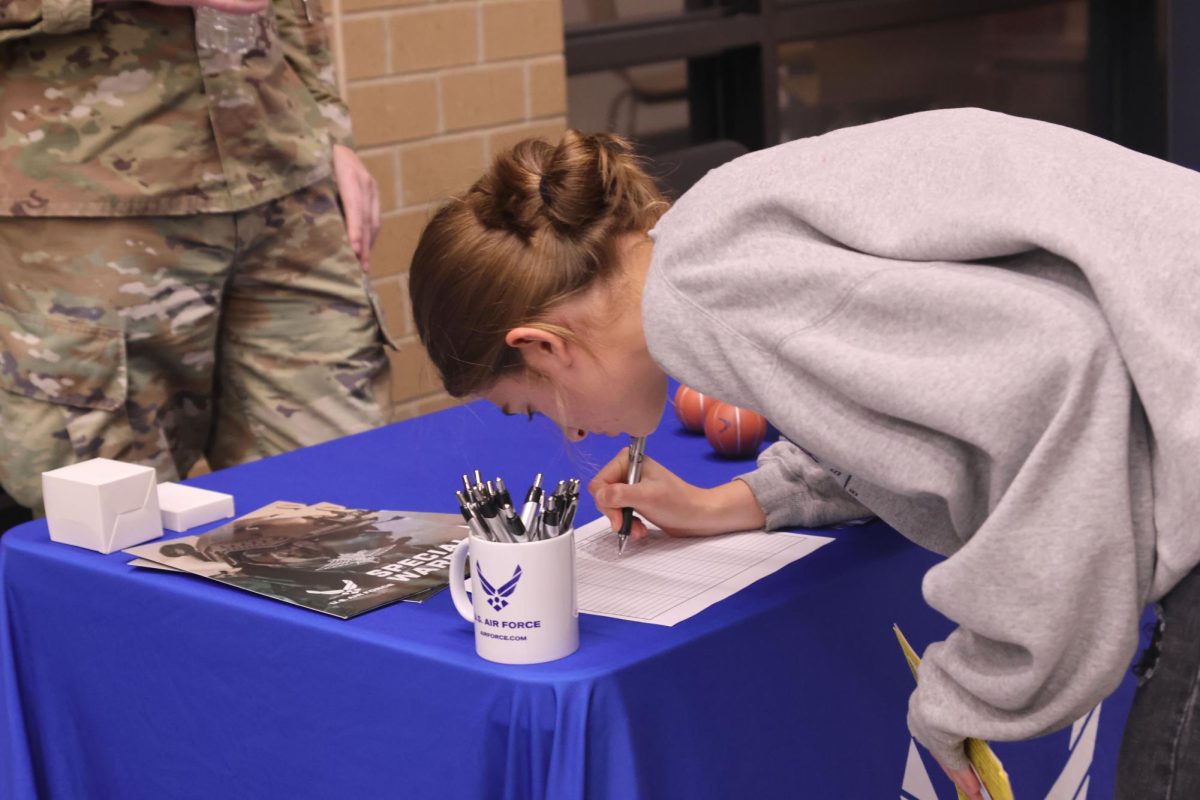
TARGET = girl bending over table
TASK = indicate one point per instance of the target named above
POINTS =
(980, 328)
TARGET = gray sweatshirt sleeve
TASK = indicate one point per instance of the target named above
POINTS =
(1004, 420)
(795, 491)
(1026, 434)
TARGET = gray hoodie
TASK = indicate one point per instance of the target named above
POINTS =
(984, 329)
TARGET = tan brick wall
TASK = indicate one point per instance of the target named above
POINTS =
(435, 90)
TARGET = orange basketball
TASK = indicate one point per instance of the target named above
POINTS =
(734, 432)
(691, 407)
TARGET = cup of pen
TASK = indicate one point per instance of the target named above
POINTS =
(521, 594)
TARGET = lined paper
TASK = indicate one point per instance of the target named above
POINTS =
(662, 580)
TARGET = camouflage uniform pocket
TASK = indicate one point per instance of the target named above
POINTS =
(62, 398)
(380, 316)
(60, 362)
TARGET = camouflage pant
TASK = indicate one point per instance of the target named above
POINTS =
(158, 339)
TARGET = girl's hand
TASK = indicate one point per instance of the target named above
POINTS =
(674, 505)
(966, 781)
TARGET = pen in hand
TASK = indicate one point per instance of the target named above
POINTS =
(637, 449)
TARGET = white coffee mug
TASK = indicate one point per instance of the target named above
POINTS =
(522, 598)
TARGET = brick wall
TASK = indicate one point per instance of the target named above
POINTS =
(435, 88)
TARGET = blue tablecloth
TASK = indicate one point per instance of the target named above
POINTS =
(123, 683)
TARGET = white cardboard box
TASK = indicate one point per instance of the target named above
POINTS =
(102, 504)
(185, 507)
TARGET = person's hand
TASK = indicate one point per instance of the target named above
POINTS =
(227, 6)
(360, 201)
(674, 505)
(966, 781)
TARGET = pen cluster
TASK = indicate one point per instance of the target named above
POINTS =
(490, 514)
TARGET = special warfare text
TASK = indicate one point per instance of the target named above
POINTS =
(410, 569)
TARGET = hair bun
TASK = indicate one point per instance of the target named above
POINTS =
(509, 196)
(584, 183)
(584, 180)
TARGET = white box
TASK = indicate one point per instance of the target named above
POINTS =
(185, 507)
(102, 504)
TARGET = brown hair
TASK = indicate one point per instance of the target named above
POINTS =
(538, 228)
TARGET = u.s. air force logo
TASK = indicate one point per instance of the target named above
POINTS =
(497, 598)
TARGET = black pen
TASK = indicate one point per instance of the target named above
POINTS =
(530, 509)
(637, 451)
(507, 513)
(570, 503)
(470, 514)
(568, 517)
(491, 516)
(502, 493)
(553, 516)
(462, 506)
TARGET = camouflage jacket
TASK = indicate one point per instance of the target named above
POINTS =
(128, 109)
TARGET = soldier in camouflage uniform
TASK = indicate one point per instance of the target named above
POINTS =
(176, 278)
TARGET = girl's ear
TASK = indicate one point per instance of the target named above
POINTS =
(543, 352)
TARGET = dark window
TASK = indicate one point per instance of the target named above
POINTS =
(679, 73)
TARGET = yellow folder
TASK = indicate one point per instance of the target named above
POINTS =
(989, 769)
